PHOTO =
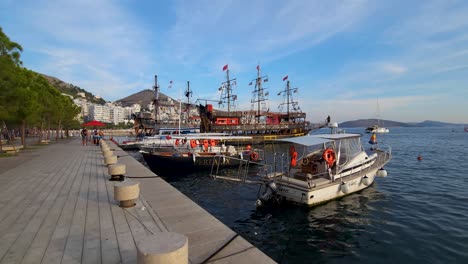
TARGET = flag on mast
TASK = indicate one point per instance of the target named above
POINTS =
(258, 67)
(170, 84)
(285, 78)
(225, 67)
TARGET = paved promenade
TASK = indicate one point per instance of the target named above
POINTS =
(57, 206)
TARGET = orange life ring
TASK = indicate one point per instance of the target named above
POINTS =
(294, 159)
(177, 142)
(212, 142)
(205, 144)
(329, 156)
(254, 156)
(193, 143)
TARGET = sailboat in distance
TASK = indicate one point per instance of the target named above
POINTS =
(379, 127)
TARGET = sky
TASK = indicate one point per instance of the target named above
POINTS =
(395, 60)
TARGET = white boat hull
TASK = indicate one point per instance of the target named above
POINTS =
(296, 191)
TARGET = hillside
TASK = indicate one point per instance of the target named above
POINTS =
(370, 122)
(143, 98)
(71, 89)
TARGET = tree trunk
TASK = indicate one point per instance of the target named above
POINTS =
(40, 131)
(48, 130)
(23, 133)
(58, 131)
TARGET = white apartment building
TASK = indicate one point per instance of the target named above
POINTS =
(100, 113)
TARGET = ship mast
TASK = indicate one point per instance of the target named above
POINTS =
(226, 92)
(188, 94)
(289, 102)
(259, 96)
(156, 99)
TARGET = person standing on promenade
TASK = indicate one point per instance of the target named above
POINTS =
(84, 137)
(100, 136)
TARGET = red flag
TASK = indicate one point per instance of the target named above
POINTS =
(258, 67)
(285, 78)
(225, 67)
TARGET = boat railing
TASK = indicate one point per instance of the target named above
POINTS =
(242, 168)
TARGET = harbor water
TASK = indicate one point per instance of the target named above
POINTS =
(418, 214)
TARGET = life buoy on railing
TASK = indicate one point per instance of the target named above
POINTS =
(184, 140)
(212, 142)
(254, 156)
(193, 143)
(294, 159)
(177, 142)
(329, 156)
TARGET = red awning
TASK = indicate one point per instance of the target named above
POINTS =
(94, 123)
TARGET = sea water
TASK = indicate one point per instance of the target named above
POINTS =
(417, 214)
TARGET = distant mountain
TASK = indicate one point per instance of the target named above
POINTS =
(142, 98)
(72, 90)
(371, 122)
(429, 123)
(389, 123)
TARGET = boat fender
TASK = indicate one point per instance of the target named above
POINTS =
(344, 188)
(381, 172)
(366, 180)
(254, 156)
(329, 156)
(294, 159)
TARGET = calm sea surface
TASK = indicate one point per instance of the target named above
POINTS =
(418, 214)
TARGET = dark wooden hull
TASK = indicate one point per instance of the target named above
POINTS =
(181, 162)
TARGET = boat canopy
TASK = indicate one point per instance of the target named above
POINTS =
(312, 140)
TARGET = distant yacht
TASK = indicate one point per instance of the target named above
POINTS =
(377, 128)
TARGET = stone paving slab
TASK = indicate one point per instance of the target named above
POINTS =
(57, 206)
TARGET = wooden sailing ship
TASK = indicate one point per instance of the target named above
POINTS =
(258, 122)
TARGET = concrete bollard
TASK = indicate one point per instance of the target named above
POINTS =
(104, 148)
(165, 247)
(107, 153)
(116, 171)
(109, 160)
(126, 193)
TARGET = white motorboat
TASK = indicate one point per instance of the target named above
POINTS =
(324, 167)
(377, 129)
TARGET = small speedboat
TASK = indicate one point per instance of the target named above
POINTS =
(323, 167)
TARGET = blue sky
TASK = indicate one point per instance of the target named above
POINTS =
(345, 56)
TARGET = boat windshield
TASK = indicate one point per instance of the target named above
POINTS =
(349, 148)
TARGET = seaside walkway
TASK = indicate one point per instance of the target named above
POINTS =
(57, 206)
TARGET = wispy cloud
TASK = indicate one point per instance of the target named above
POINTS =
(206, 32)
(94, 44)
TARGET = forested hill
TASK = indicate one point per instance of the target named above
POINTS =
(388, 123)
(71, 89)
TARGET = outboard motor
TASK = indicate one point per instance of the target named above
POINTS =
(270, 190)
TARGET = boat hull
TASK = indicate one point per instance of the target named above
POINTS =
(296, 191)
(177, 162)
